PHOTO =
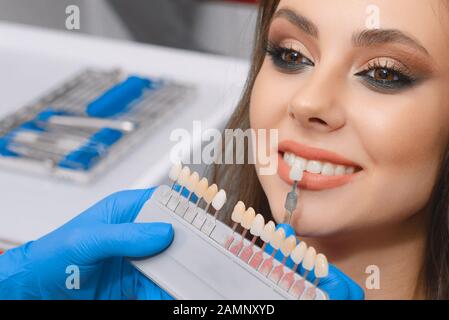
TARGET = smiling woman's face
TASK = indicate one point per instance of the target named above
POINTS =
(372, 101)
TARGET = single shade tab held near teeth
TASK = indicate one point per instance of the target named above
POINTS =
(291, 201)
(296, 173)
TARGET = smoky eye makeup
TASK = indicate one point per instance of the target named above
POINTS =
(287, 56)
(386, 75)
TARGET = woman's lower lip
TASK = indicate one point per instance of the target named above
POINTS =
(313, 181)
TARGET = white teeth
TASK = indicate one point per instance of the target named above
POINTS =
(328, 169)
(268, 231)
(317, 167)
(349, 170)
(219, 200)
(257, 226)
(321, 266)
(339, 170)
(314, 166)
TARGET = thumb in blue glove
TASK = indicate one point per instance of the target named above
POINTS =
(91, 248)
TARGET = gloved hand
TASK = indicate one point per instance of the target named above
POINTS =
(96, 243)
(337, 285)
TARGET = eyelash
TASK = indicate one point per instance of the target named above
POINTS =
(402, 79)
(277, 54)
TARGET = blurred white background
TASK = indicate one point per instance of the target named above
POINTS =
(221, 27)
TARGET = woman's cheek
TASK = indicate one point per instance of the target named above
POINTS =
(270, 97)
(404, 137)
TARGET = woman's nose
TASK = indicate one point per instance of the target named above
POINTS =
(315, 105)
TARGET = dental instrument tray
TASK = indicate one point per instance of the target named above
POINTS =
(87, 123)
(201, 262)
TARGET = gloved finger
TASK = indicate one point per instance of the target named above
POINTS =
(340, 287)
(119, 207)
(124, 240)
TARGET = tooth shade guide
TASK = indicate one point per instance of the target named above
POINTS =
(249, 258)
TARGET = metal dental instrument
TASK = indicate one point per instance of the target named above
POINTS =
(291, 200)
(95, 123)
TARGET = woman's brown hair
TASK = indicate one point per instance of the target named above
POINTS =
(243, 180)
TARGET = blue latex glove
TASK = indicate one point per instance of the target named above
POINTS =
(337, 285)
(96, 242)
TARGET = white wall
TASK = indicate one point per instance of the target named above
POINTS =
(218, 27)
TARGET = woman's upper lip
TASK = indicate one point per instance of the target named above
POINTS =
(311, 153)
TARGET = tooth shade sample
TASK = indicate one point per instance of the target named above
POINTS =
(238, 212)
(201, 188)
(296, 173)
(278, 238)
(321, 266)
(268, 231)
(300, 162)
(219, 200)
(248, 218)
(288, 245)
(299, 252)
(210, 193)
(193, 181)
(257, 226)
(184, 176)
(175, 171)
(309, 259)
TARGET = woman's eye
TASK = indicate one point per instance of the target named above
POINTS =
(386, 80)
(383, 74)
(288, 59)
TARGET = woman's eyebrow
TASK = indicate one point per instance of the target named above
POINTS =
(364, 38)
(298, 20)
(367, 38)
